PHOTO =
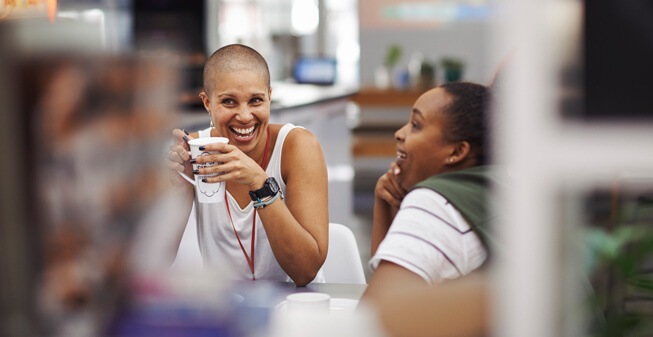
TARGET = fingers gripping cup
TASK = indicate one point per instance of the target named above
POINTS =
(206, 192)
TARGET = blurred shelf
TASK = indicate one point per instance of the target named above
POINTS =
(382, 113)
(382, 145)
(375, 97)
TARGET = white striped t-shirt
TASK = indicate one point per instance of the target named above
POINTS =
(429, 237)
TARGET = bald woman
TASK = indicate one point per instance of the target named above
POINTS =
(282, 235)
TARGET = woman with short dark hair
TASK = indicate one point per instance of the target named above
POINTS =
(430, 214)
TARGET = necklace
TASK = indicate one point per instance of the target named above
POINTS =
(250, 261)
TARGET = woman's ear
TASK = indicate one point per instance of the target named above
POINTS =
(460, 152)
(205, 100)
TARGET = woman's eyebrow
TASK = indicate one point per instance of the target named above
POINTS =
(418, 113)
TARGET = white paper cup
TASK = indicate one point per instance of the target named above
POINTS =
(206, 192)
(308, 302)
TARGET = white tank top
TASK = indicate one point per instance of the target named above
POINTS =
(215, 234)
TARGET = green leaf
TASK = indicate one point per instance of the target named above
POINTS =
(392, 55)
(642, 282)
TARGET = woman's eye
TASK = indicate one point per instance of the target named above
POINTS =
(256, 100)
(414, 125)
(228, 101)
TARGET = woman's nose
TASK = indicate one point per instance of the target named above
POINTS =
(399, 135)
(244, 114)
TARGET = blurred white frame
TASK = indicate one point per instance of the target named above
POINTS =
(547, 156)
(76, 31)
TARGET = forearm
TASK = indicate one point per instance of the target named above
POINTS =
(298, 226)
(159, 231)
(296, 250)
(455, 308)
(384, 213)
(183, 195)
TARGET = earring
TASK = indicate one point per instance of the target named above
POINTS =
(449, 160)
(210, 116)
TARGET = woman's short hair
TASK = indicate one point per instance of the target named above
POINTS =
(234, 57)
(467, 117)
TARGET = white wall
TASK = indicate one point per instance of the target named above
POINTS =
(467, 40)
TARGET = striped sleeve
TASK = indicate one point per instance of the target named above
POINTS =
(430, 238)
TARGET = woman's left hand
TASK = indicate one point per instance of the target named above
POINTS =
(234, 165)
(389, 189)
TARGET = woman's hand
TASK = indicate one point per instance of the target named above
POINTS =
(388, 195)
(178, 157)
(234, 165)
(388, 188)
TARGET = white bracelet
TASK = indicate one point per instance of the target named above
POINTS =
(261, 204)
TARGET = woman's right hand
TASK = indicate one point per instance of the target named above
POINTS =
(388, 188)
(178, 157)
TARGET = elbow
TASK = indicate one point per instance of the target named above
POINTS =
(307, 276)
(302, 283)
(304, 280)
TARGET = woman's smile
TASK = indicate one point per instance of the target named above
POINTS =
(240, 108)
(421, 147)
(401, 156)
(243, 134)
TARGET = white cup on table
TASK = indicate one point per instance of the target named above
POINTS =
(206, 192)
(311, 301)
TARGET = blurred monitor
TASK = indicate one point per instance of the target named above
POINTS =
(618, 59)
(176, 24)
(314, 70)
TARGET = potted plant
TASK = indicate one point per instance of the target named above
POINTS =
(453, 69)
(383, 74)
(618, 265)
(392, 56)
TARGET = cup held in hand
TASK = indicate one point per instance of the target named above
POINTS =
(206, 192)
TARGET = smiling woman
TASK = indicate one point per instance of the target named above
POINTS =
(430, 212)
(275, 201)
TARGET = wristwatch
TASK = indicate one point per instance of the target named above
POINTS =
(269, 189)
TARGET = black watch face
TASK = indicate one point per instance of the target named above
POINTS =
(270, 188)
(274, 188)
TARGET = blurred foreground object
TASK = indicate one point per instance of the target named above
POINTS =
(31, 8)
(455, 308)
(617, 256)
(92, 134)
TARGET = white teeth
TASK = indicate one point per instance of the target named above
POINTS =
(243, 131)
(401, 155)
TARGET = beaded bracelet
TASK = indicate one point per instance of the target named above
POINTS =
(261, 204)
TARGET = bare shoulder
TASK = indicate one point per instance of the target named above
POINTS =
(301, 151)
(300, 139)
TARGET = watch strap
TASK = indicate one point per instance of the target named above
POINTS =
(266, 191)
(262, 203)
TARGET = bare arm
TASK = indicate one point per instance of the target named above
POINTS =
(388, 195)
(408, 306)
(384, 213)
(178, 160)
(298, 230)
(387, 278)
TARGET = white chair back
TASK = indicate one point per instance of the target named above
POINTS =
(343, 262)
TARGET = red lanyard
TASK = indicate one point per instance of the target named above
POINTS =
(250, 262)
